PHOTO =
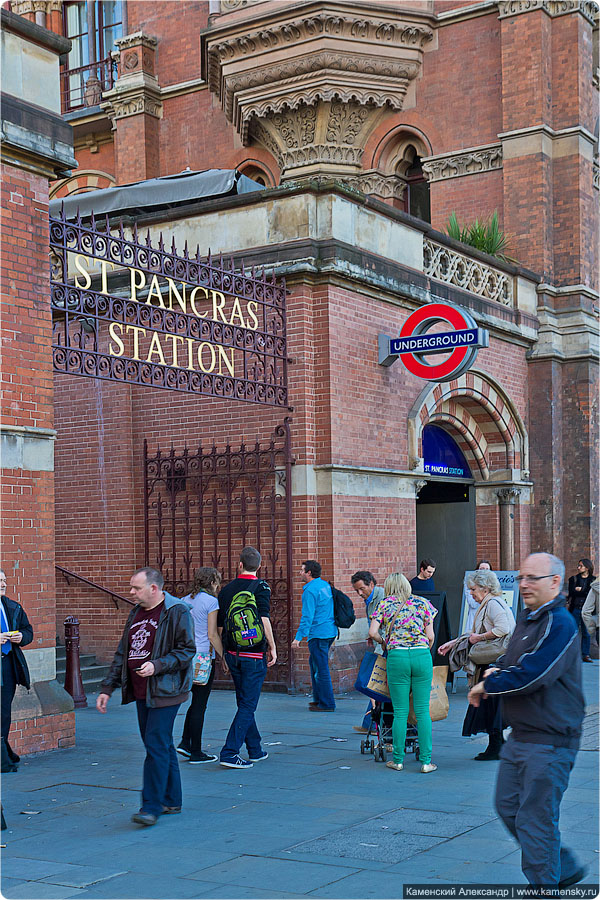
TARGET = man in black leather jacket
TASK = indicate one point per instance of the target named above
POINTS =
(153, 665)
(16, 633)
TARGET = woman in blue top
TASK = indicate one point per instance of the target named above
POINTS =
(407, 622)
(204, 608)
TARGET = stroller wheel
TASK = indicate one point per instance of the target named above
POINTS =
(417, 754)
(362, 747)
(372, 747)
(379, 754)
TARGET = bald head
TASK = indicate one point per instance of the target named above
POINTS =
(541, 578)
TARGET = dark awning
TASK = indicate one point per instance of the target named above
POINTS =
(165, 192)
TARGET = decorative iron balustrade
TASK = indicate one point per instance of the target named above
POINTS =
(83, 86)
(454, 268)
(202, 507)
(237, 353)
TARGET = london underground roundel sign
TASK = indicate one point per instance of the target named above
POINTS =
(416, 341)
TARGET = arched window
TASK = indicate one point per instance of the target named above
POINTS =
(256, 172)
(415, 199)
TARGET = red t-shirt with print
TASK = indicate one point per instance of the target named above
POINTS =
(141, 641)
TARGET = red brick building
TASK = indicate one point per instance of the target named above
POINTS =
(368, 125)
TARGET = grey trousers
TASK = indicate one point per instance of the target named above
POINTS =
(532, 779)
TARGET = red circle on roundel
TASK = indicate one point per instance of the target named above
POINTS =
(446, 314)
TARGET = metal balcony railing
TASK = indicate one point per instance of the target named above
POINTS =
(82, 87)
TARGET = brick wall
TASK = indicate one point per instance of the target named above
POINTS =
(27, 537)
(347, 411)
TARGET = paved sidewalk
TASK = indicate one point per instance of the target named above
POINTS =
(316, 819)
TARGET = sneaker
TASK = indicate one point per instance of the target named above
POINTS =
(183, 751)
(360, 729)
(143, 818)
(258, 758)
(196, 759)
(317, 708)
(171, 810)
(394, 765)
(428, 767)
(236, 763)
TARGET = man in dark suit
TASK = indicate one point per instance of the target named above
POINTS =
(16, 633)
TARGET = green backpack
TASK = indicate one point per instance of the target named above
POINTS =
(243, 625)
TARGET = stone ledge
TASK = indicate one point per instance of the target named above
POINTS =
(45, 698)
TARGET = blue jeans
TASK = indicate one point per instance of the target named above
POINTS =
(320, 675)
(162, 781)
(585, 635)
(248, 676)
(532, 779)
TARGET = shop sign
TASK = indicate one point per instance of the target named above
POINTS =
(416, 342)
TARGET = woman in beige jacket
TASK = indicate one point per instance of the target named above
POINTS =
(494, 623)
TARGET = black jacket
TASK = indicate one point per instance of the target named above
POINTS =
(18, 621)
(172, 654)
(578, 598)
(540, 678)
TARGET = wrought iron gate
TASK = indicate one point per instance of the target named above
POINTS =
(202, 507)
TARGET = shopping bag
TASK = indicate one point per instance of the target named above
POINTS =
(372, 677)
(438, 698)
(202, 665)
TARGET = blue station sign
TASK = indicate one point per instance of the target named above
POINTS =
(435, 343)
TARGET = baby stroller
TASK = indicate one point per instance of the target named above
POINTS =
(380, 733)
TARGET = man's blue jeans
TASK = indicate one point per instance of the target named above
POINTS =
(248, 676)
(585, 635)
(532, 779)
(162, 781)
(320, 675)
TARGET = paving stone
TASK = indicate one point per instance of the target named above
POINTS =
(365, 842)
(37, 890)
(279, 874)
(135, 886)
(83, 876)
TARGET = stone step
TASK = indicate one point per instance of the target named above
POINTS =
(84, 661)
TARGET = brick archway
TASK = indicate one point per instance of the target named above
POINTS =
(482, 418)
(82, 182)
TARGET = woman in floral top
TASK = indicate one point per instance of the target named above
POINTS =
(407, 624)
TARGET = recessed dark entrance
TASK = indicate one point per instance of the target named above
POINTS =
(446, 516)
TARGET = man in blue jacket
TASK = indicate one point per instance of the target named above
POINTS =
(318, 626)
(539, 679)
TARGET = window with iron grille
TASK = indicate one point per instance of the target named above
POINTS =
(93, 29)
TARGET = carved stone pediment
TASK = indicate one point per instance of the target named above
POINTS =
(310, 84)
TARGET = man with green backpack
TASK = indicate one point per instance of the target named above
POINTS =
(249, 649)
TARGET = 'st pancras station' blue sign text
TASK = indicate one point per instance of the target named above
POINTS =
(434, 343)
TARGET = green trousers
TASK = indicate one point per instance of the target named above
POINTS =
(410, 670)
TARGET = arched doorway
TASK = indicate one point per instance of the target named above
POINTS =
(468, 440)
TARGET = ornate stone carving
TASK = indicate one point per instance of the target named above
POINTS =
(587, 8)
(22, 7)
(386, 187)
(466, 162)
(136, 90)
(419, 485)
(508, 496)
(232, 5)
(447, 265)
(345, 65)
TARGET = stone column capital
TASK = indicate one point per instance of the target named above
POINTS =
(508, 496)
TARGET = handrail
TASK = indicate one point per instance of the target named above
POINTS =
(114, 596)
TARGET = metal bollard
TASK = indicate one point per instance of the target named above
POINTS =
(73, 681)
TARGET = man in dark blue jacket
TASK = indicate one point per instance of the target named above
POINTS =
(539, 679)
(16, 632)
